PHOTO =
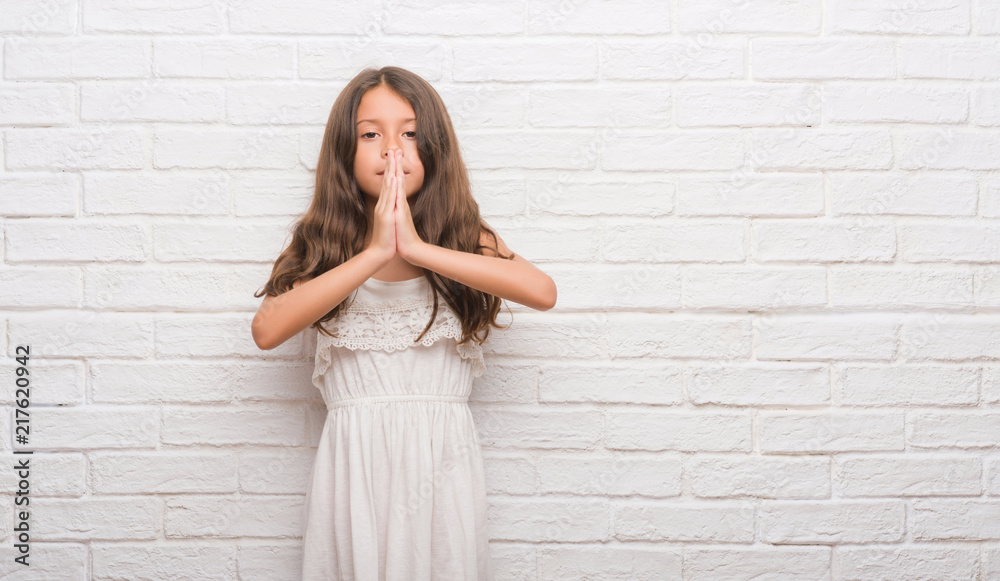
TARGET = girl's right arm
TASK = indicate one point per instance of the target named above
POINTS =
(281, 317)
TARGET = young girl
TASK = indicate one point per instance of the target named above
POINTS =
(397, 491)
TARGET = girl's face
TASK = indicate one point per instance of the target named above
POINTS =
(386, 122)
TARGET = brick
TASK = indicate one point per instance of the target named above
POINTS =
(81, 334)
(890, 287)
(910, 102)
(561, 195)
(548, 519)
(185, 16)
(824, 522)
(990, 384)
(674, 240)
(509, 383)
(836, 336)
(932, 17)
(673, 60)
(309, 17)
(518, 60)
(613, 562)
(63, 240)
(841, 58)
(987, 17)
(269, 193)
(42, 286)
(50, 561)
(285, 472)
(599, 106)
(198, 425)
(149, 562)
(162, 472)
(907, 475)
(342, 59)
(623, 17)
(184, 194)
(702, 521)
(948, 148)
(950, 337)
(609, 476)
(76, 148)
(550, 240)
(677, 336)
(815, 432)
(637, 285)
(724, 16)
(109, 57)
(46, 104)
(484, 105)
(610, 382)
(742, 194)
(955, 519)
(735, 475)
(224, 58)
(63, 382)
(952, 241)
(274, 104)
(910, 194)
(462, 18)
(906, 385)
(226, 148)
(39, 16)
(950, 563)
(960, 59)
(747, 104)
(214, 241)
(550, 429)
(556, 336)
(759, 384)
(824, 240)
(800, 149)
(38, 194)
(692, 149)
(88, 519)
(986, 106)
(151, 101)
(551, 150)
(681, 431)
(94, 426)
(953, 429)
(277, 562)
(198, 516)
(753, 287)
(61, 475)
(740, 563)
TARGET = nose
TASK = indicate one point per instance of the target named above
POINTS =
(390, 147)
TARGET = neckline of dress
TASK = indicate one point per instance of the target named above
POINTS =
(376, 281)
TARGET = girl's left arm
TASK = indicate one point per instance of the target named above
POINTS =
(516, 280)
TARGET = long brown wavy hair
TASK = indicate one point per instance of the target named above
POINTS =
(335, 226)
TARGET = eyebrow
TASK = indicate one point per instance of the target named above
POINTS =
(376, 120)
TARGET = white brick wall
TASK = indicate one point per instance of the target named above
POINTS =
(774, 227)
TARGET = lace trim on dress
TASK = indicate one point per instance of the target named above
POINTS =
(390, 327)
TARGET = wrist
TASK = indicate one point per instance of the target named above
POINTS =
(375, 257)
(415, 254)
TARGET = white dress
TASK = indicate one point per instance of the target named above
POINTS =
(397, 490)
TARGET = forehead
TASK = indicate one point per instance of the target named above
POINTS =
(381, 104)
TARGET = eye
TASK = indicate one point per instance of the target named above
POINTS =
(368, 133)
(411, 133)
